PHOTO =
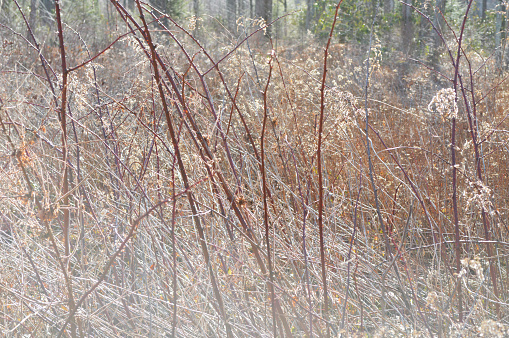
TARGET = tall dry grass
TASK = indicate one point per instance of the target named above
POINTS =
(194, 194)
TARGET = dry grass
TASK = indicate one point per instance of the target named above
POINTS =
(122, 163)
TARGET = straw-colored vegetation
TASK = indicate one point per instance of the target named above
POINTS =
(183, 198)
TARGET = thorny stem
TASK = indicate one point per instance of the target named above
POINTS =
(108, 265)
(345, 302)
(174, 252)
(474, 134)
(320, 173)
(207, 155)
(63, 123)
(265, 206)
(455, 213)
(65, 178)
(307, 288)
(183, 173)
(370, 164)
(454, 167)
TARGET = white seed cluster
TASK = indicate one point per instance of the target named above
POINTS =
(444, 103)
(479, 194)
(491, 328)
(474, 265)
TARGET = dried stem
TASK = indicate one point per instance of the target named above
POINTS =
(325, 309)
(265, 206)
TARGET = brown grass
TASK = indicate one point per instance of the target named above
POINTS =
(124, 176)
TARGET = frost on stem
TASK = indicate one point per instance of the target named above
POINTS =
(444, 103)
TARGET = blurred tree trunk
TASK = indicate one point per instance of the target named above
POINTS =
(439, 14)
(484, 4)
(31, 20)
(196, 10)
(46, 10)
(407, 27)
(388, 6)
(169, 7)
(423, 29)
(231, 14)
(500, 24)
(284, 23)
(437, 41)
(309, 13)
(505, 56)
(263, 9)
(47, 4)
(242, 8)
(161, 6)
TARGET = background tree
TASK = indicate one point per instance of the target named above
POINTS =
(500, 34)
(439, 14)
(309, 13)
(46, 10)
(231, 13)
(171, 7)
(129, 4)
(32, 18)
(388, 7)
(407, 28)
(264, 10)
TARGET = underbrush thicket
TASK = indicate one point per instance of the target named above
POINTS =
(152, 216)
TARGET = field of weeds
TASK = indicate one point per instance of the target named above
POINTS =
(152, 186)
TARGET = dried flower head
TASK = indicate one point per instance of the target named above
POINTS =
(193, 21)
(491, 328)
(241, 200)
(474, 265)
(444, 103)
(479, 194)
(431, 300)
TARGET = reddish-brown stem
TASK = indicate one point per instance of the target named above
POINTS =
(320, 173)
(108, 265)
(63, 123)
(352, 239)
(203, 147)
(456, 65)
(265, 206)
(455, 213)
(474, 133)
(42, 212)
(194, 210)
(65, 175)
(174, 253)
